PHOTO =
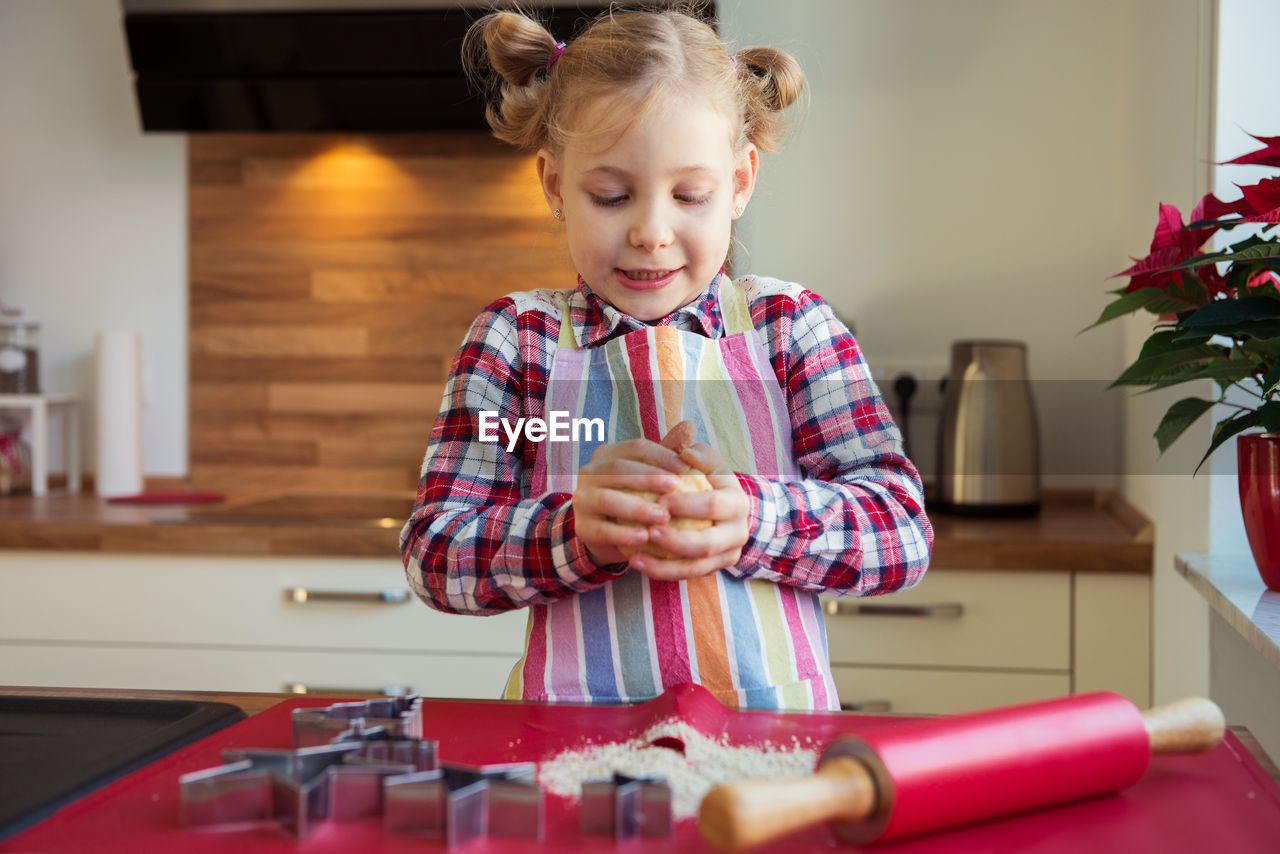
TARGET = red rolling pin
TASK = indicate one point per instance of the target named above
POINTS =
(942, 772)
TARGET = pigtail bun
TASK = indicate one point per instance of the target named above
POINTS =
(514, 46)
(773, 82)
(502, 54)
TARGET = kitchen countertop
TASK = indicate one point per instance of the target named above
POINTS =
(1234, 590)
(1076, 530)
(253, 703)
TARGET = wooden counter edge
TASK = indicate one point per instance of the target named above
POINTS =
(1129, 517)
(1131, 554)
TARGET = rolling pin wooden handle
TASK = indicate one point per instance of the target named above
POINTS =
(1190, 725)
(751, 812)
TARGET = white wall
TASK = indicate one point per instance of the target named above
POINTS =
(956, 176)
(1168, 149)
(92, 212)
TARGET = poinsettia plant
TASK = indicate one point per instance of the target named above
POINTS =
(1217, 313)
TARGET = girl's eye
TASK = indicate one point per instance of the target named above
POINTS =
(607, 201)
(690, 199)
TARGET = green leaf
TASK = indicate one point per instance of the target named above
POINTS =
(1145, 371)
(1233, 370)
(1262, 330)
(1194, 336)
(1248, 243)
(1179, 417)
(1267, 290)
(1126, 305)
(1232, 312)
(1226, 429)
(1270, 379)
(1194, 288)
(1239, 275)
(1158, 343)
(1270, 415)
(1267, 349)
(1169, 305)
(1263, 251)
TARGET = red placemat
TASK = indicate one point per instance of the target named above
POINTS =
(1219, 801)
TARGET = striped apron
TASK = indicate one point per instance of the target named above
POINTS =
(751, 643)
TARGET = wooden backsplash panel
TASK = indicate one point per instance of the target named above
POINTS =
(331, 283)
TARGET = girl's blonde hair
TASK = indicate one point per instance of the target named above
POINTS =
(641, 56)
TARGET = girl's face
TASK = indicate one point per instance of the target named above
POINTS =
(648, 212)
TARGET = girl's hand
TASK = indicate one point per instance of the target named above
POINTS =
(599, 499)
(697, 553)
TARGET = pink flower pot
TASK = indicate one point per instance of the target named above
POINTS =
(1258, 457)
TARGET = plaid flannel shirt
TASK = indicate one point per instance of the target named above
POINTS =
(477, 542)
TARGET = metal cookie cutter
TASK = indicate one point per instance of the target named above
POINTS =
(287, 787)
(460, 802)
(626, 806)
(398, 716)
(297, 788)
(356, 786)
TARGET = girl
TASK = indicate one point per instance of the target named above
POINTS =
(647, 135)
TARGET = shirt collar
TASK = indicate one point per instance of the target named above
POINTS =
(596, 321)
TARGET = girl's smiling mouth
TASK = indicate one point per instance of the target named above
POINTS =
(645, 280)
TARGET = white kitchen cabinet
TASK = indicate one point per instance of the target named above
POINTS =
(963, 640)
(991, 620)
(929, 691)
(185, 668)
(960, 640)
(238, 624)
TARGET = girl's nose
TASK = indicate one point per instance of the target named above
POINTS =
(651, 230)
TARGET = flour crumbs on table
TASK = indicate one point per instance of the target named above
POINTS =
(704, 763)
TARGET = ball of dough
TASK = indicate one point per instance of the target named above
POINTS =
(690, 481)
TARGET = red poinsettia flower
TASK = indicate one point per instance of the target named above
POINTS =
(1259, 202)
(1263, 201)
(1268, 156)
(1213, 208)
(1171, 244)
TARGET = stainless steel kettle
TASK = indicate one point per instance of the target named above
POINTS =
(988, 441)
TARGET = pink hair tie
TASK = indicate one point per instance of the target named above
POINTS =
(556, 55)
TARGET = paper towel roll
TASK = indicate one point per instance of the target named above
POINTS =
(118, 363)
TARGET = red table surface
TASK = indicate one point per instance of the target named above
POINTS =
(1221, 801)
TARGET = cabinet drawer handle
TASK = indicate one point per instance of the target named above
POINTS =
(385, 691)
(948, 610)
(874, 707)
(303, 595)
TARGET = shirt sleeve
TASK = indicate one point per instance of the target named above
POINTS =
(476, 543)
(854, 524)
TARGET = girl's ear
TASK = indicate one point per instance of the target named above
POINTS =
(549, 178)
(744, 175)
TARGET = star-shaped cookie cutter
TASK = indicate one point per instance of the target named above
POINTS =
(289, 788)
(624, 807)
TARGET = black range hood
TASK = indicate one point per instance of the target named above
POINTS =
(310, 65)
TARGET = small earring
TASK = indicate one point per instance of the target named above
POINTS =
(737, 212)
(557, 214)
